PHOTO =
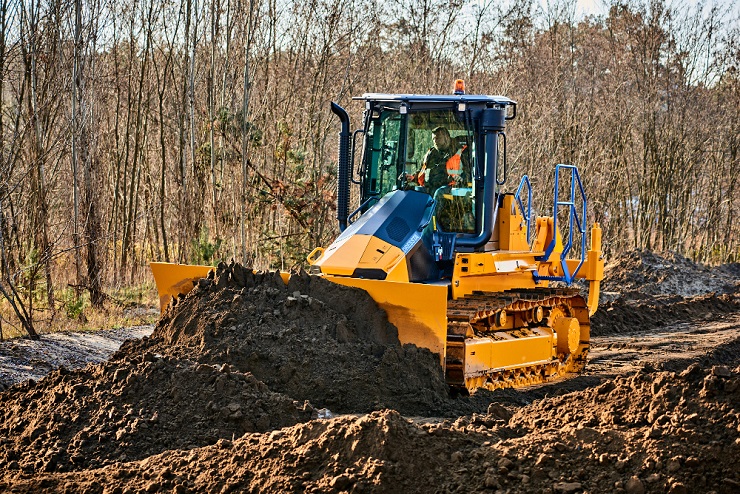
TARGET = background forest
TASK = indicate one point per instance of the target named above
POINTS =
(198, 130)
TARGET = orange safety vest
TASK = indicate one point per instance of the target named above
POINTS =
(421, 176)
(454, 165)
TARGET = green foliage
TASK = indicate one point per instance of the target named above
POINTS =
(223, 117)
(31, 283)
(74, 305)
(255, 135)
(204, 250)
(204, 152)
(231, 125)
(133, 294)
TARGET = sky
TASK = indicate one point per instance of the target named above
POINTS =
(588, 7)
(595, 7)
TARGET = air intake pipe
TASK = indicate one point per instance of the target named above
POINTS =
(492, 122)
(343, 167)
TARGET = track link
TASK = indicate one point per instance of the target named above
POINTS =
(512, 316)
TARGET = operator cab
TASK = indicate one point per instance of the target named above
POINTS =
(399, 149)
(429, 178)
(400, 153)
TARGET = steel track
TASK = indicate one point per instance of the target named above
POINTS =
(479, 314)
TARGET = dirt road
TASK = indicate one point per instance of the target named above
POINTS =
(672, 347)
(23, 359)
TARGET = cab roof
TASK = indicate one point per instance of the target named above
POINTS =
(436, 98)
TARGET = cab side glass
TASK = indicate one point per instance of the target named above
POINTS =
(428, 151)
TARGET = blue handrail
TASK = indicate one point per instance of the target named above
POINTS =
(573, 218)
(517, 196)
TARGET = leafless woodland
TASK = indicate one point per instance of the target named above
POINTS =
(192, 131)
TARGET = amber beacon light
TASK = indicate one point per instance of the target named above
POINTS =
(459, 86)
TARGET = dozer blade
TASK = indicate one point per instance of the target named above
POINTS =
(419, 311)
(174, 279)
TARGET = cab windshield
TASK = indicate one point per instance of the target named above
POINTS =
(431, 151)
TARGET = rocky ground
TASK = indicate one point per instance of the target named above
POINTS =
(247, 385)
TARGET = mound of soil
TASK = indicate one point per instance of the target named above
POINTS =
(644, 273)
(727, 355)
(131, 409)
(624, 315)
(224, 397)
(652, 431)
(311, 339)
(645, 290)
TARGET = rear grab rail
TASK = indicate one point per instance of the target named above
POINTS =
(364, 206)
(573, 220)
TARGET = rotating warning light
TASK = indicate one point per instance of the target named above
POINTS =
(459, 86)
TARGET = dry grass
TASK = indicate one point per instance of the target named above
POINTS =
(124, 307)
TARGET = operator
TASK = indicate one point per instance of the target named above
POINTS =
(443, 164)
(447, 166)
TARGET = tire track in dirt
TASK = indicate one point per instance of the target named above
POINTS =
(683, 342)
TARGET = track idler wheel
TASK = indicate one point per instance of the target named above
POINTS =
(568, 330)
(535, 315)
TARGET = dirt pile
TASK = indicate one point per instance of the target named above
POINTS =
(379, 452)
(132, 409)
(226, 395)
(624, 315)
(311, 339)
(645, 290)
(188, 385)
(643, 273)
(653, 431)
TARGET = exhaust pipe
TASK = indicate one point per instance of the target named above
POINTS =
(343, 167)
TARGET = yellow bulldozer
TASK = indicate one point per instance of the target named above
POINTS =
(460, 266)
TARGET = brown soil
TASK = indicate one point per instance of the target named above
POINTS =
(639, 274)
(312, 340)
(624, 316)
(645, 291)
(231, 391)
(131, 409)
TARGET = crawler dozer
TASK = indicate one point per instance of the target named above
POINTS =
(464, 269)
